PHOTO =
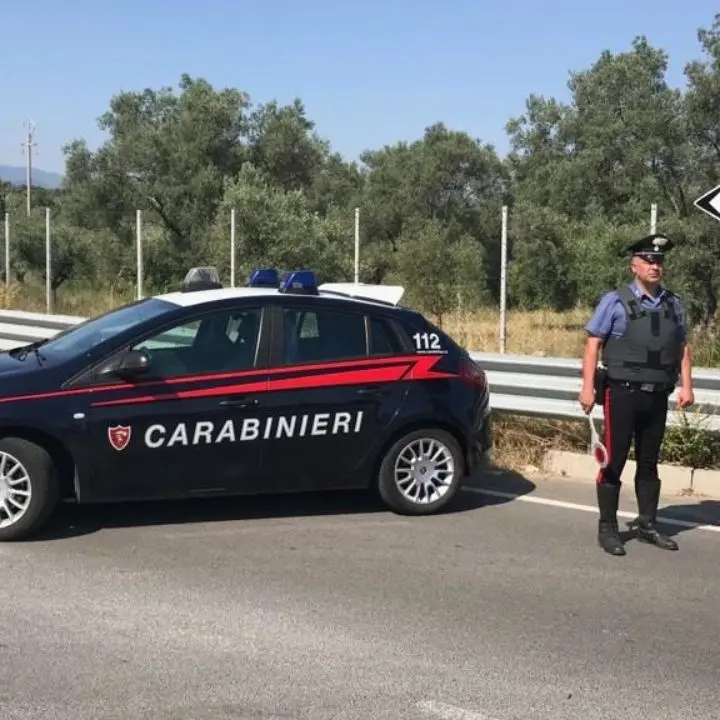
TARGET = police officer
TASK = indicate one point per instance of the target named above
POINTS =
(640, 329)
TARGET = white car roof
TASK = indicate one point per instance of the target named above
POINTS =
(351, 292)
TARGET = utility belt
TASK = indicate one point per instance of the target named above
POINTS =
(602, 381)
(665, 388)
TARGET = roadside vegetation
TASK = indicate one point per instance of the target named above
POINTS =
(579, 182)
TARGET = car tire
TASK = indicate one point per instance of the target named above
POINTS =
(35, 462)
(395, 475)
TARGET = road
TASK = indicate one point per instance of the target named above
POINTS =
(327, 607)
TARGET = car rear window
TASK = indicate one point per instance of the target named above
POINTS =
(383, 339)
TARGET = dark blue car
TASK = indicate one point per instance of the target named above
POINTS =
(274, 387)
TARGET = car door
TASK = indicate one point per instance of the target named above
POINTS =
(192, 424)
(330, 399)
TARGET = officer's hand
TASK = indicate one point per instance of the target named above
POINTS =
(685, 397)
(587, 399)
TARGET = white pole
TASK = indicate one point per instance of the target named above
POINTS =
(357, 244)
(138, 247)
(653, 218)
(232, 248)
(7, 250)
(503, 280)
(48, 264)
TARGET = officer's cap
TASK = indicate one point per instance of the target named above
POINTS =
(655, 245)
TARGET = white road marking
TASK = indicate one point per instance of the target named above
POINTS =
(232, 526)
(451, 712)
(588, 508)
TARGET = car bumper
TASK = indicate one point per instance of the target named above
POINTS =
(480, 446)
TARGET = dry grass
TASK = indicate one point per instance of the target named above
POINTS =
(527, 333)
(552, 334)
(520, 442)
(76, 302)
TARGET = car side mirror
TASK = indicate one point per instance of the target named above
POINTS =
(132, 364)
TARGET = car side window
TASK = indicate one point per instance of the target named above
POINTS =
(383, 340)
(223, 341)
(322, 336)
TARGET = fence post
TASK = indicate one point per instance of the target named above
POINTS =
(48, 265)
(232, 247)
(357, 245)
(138, 244)
(7, 251)
(503, 281)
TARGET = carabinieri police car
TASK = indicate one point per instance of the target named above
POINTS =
(207, 391)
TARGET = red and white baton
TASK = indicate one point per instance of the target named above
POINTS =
(597, 449)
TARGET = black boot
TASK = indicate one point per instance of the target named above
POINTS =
(648, 498)
(608, 533)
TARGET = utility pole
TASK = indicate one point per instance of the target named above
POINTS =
(28, 146)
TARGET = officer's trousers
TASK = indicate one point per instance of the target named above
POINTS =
(632, 415)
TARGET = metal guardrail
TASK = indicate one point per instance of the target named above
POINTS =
(549, 387)
(520, 384)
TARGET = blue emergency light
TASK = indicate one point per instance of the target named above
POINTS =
(264, 277)
(299, 282)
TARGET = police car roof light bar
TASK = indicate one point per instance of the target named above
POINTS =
(264, 277)
(299, 282)
(202, 278)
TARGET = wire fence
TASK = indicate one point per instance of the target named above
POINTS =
(139, 282)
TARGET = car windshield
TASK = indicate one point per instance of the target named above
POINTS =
(81, 338)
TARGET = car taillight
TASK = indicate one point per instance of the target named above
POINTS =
(472, 374)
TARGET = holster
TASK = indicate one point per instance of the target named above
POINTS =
(600, 383)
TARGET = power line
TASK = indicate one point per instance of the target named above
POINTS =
(28, 144)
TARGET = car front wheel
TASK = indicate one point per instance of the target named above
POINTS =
(421, 472)
(28, 488)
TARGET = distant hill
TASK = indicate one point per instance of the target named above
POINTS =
(40, 178)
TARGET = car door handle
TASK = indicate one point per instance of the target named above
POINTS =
(240, 403)
(372, 392)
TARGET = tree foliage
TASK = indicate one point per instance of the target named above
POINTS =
(579, 179)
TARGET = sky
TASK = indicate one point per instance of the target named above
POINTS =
(370, 73)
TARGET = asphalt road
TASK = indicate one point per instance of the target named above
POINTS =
(326, 607)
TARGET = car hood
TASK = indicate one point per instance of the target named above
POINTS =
(16, 374)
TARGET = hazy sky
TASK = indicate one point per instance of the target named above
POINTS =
(369, 73)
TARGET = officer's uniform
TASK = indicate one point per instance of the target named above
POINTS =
(641, 354)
